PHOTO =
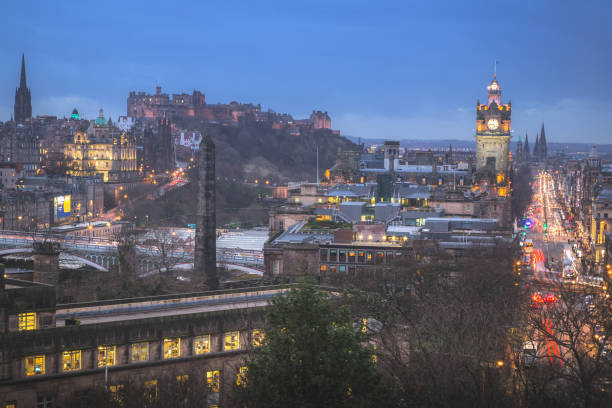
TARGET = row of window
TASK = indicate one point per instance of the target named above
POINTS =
(358, 256)
(72, 360)
(213, 385)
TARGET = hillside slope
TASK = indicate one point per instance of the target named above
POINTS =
(252, 151)
(256, 151)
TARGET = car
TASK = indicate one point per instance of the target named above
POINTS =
(530, 354)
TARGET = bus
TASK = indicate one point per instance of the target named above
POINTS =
(528, 246)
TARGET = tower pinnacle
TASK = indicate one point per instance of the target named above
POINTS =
(23, 100)
(22, 81)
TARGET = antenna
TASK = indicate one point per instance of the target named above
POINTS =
(317, 178)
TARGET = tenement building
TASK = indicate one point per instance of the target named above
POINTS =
(51, 353)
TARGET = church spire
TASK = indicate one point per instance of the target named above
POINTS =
(22, 81)
(543, 149)
(23, 100)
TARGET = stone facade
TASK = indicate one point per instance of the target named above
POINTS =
(205, 256)
(45, 359)
(114, 159)
(20, 143)
(493, 131)
(23, 99)
(159, 152)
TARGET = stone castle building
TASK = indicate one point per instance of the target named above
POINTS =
(320, 120)
(181, 106)
(493, 131)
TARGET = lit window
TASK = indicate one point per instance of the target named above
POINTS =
(182, 379)
(140, 351)
(27, 321)
(106, 355)
(364, 325)
(10, 404)
(241, 376)
(231, 341)
(35, 365)
(72, 360)
(116, 393)
(172, 348)
(258, 338)
(212, 380)
(150, 389)
(201, 344)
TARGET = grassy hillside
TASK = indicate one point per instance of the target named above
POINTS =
(255, 150)
(252, 151)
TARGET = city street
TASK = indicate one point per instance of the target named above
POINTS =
(554, 258)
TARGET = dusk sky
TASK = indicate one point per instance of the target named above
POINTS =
(401, 70)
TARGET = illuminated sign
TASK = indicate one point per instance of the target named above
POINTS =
(61, 206)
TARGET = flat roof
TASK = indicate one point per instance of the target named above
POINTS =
(142, 308)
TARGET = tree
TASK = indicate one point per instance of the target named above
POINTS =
(568, 327)
(173, 389)
(445, 324)
(313, 355)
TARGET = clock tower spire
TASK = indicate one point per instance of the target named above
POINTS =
(493, 131)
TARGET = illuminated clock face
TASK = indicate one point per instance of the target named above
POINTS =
(492, 124)
(494, 86)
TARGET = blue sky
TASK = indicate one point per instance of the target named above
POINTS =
(401, 69)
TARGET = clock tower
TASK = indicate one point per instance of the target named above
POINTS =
(493, 131)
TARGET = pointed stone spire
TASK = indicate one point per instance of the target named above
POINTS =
(543, 148)
(23, 99)
(536, 148)
(526, 150)
(22, 82)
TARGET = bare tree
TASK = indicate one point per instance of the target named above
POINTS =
(445, 326)
(565, 345)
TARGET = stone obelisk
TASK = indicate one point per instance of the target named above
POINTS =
(205, 258)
